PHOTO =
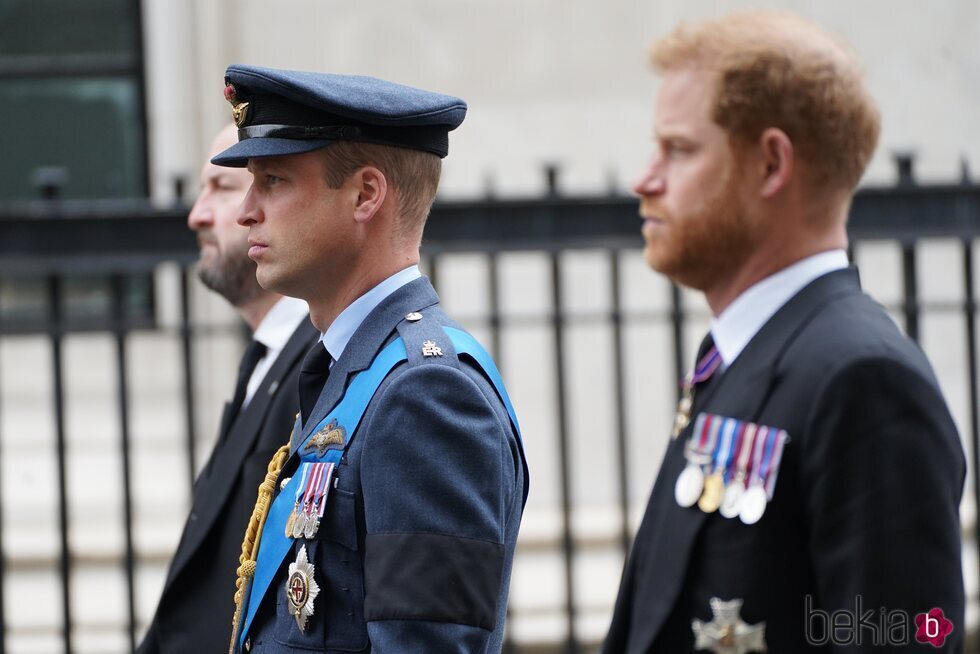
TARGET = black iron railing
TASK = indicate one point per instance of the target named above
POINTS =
(54, 241)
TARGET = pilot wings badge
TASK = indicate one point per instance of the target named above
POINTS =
(329, 434)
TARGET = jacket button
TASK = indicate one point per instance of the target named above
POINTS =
(248, 644)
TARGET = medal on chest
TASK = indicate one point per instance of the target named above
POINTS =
(697, 452)
(301, 589)
(310, 500)
(731, 502)
(728, 633)
(732, 466)
(767, 457)
(714, 484)
(702, 372)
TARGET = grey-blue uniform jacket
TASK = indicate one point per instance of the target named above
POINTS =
(414, 551)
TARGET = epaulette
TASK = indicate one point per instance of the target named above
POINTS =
(426, 341)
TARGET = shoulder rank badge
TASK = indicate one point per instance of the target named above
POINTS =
(301, 589)
(728, 633)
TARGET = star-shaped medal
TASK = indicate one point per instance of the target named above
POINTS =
(301, 589)
(728, 633)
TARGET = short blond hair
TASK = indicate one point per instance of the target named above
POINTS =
(776, 69)
(413, 174)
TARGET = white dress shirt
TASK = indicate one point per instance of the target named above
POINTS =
(744, 317)
(340, 331)
(274, 332)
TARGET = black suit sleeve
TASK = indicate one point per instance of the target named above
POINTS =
(883, 469)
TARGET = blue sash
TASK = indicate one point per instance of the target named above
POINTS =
(348, 413)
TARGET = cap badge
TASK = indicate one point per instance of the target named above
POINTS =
(238, 109)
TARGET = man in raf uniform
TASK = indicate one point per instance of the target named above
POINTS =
(388, 523)
(808, 500)
(192, 615)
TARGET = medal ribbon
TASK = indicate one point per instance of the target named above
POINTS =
(735, 451)
(715, 422)
(772, 471)
(705, 367)
(723, 452)
(702, 371)
(704, 426)
(311, 484)
(761, 441)
(763, 470)
(745, 456)
(302, 484)
(700, 448)
(320, 500)
(767, 454)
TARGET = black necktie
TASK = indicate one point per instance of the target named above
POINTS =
(253, 354)
(312, 377)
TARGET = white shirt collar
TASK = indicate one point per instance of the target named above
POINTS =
(280, 322)
(340, 331)
(744, 317)
(274, 331)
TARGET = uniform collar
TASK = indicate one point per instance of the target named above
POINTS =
(340, 331)
(744, 317)
(280, 322)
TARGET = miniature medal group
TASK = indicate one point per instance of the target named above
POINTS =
(311, 498)
(732, 466)
(304, 522)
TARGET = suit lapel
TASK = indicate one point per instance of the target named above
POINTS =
(364, 345)
(211, 494)
(224, 426)
(667, 537)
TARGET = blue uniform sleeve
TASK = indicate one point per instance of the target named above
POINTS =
(438, 481)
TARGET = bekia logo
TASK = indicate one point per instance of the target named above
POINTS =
(879, 628)
(932, 627)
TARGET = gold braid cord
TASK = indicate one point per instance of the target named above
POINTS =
(253, 535)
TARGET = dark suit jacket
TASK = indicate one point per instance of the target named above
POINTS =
(414, 551)
(196, 607)
(865, 508)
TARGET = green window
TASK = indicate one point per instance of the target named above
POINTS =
(71, 99)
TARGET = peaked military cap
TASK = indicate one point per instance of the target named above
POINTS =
(280, 112)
